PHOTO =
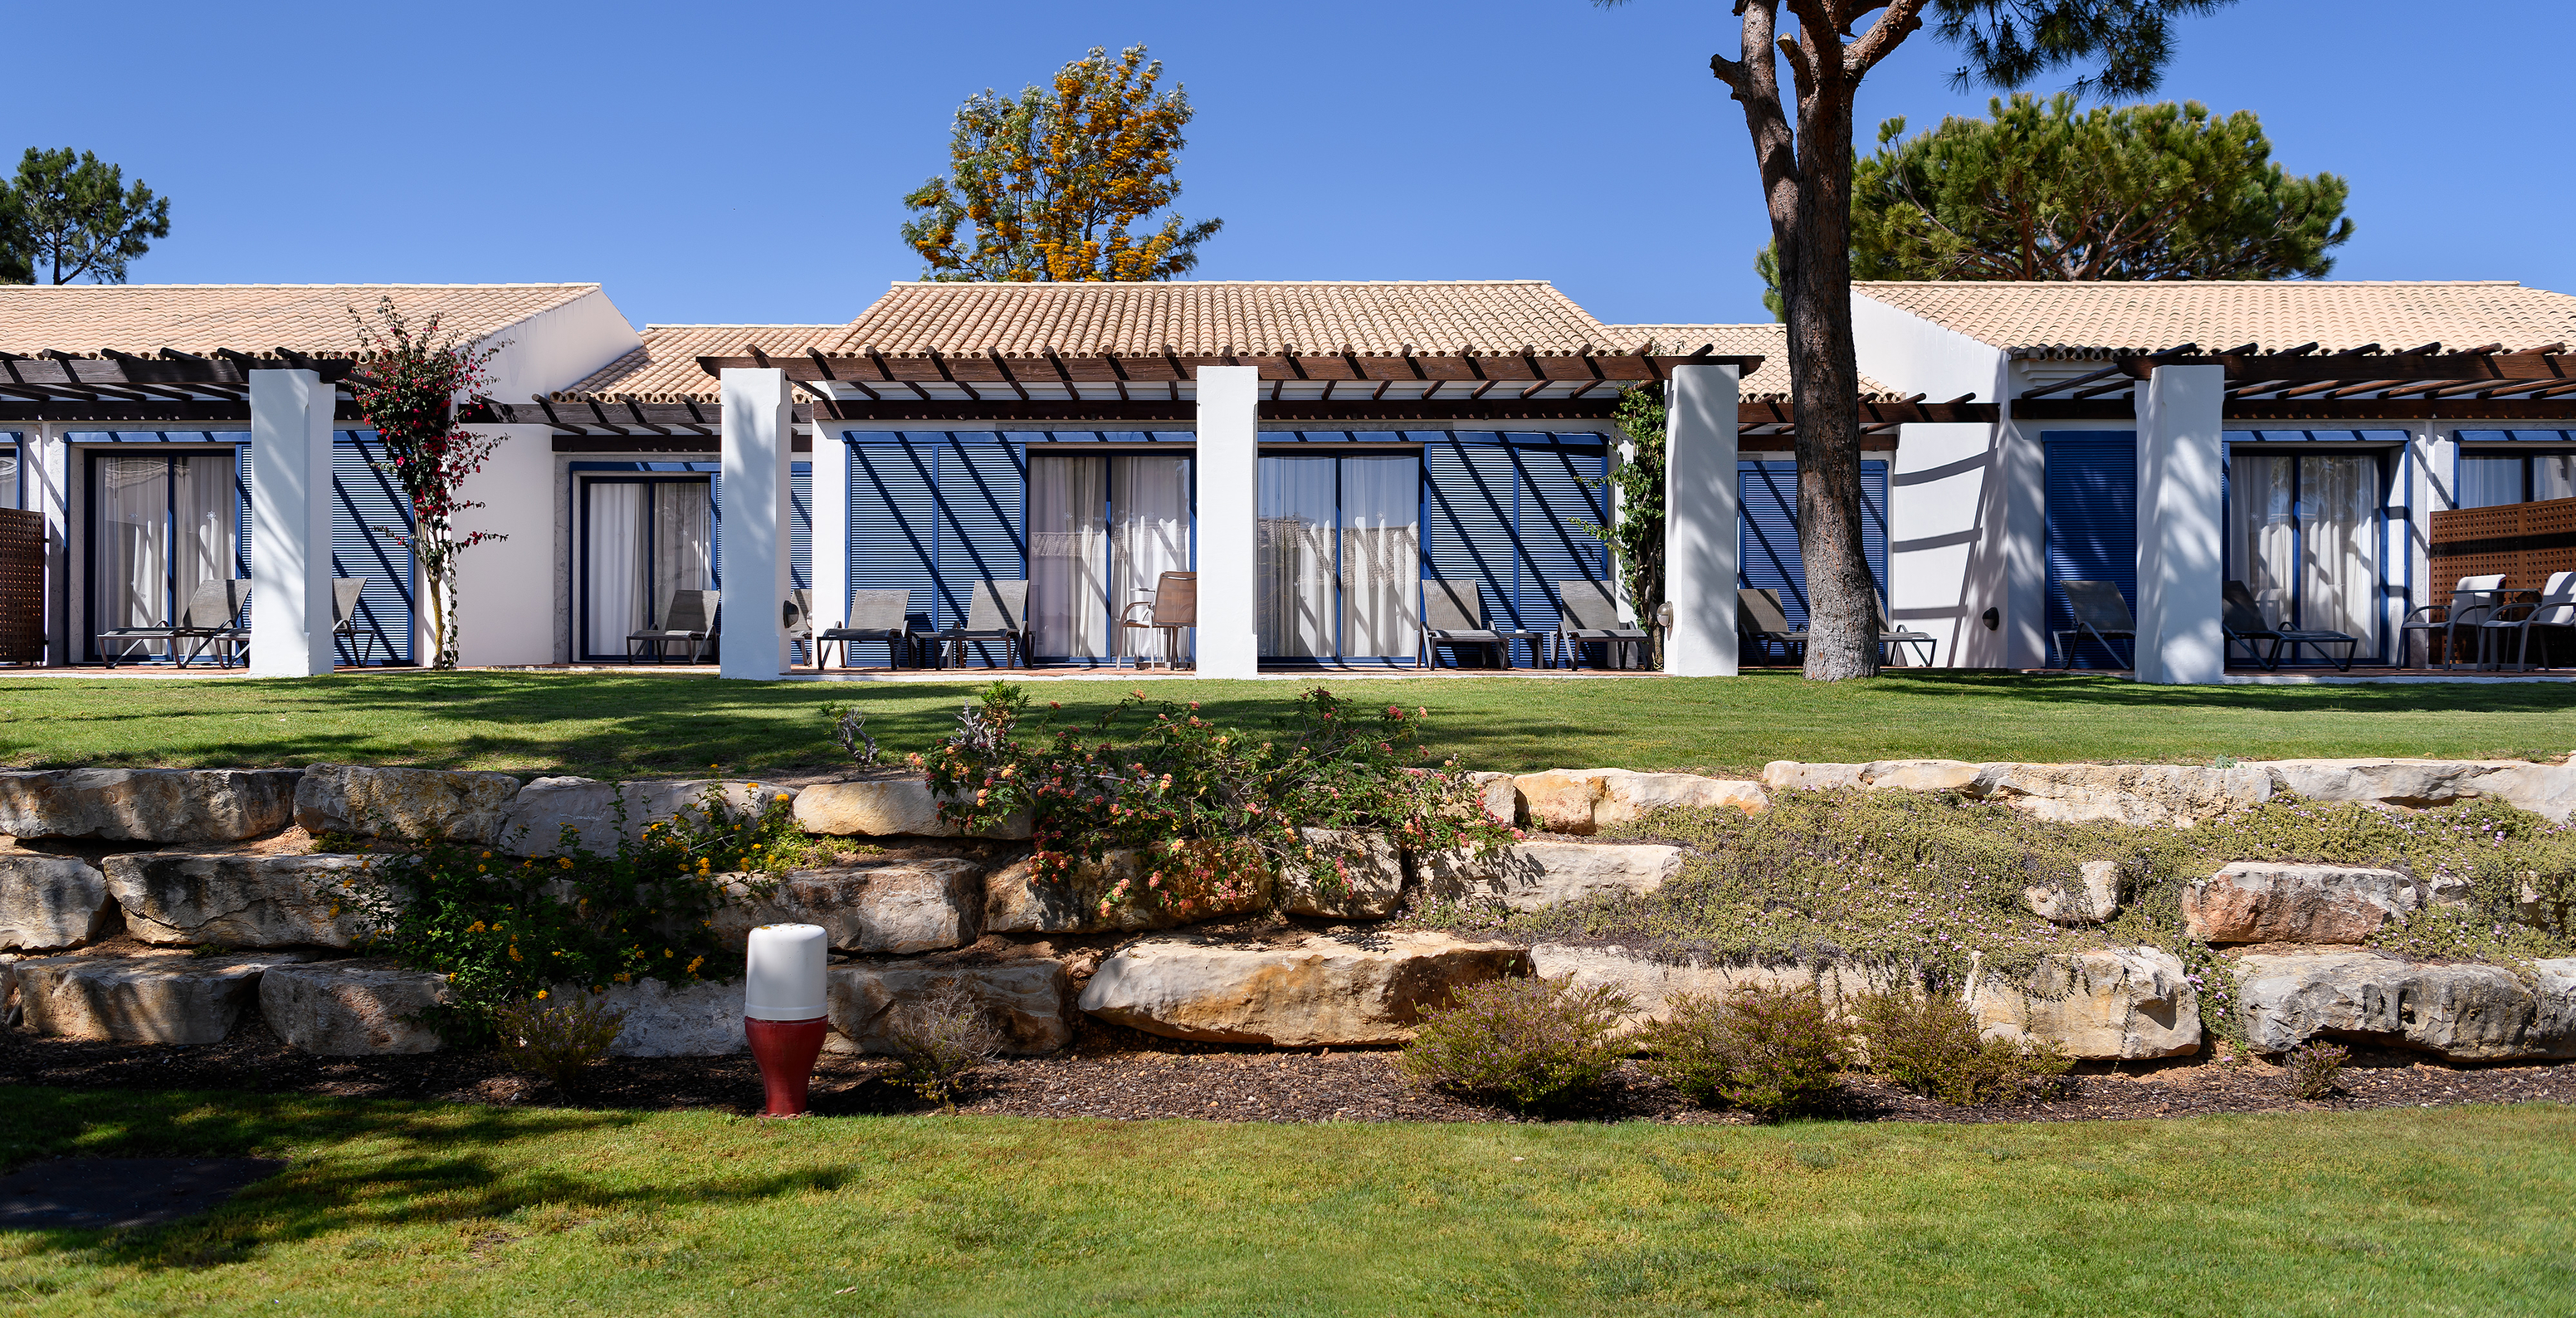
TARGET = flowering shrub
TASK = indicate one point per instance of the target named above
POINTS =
(1209, 812)
(414, 379)
(507, 930)
(2312, 1069)
(1769, 1051)
(1526, 1043)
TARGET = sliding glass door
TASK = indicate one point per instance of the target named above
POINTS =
(643, 539)
(1102, 532)
(161, 524)
(2303, 534)
(1339, 556)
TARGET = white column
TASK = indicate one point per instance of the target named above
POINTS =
(1701, 540)
(831, 529)
(506, 610)
(44, 475)
(290, 528)
(759, 428)
(2179, 542)
(1229, 512)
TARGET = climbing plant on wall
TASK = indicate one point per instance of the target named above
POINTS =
(414, 378)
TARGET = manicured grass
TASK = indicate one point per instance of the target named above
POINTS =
(613, 725)
(443, 1210)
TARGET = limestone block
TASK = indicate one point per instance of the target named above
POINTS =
(157, 997)
(52, 903)
(147, 805)
(1319, 990)
(903, 907)
(2460, 1010)
(535, 821)
(886, 807)
(1584, 801)
(689, 1020)
(412, 804)
(174, 897)
(1352, 876)
(2261, 902)
(1017, 901)
(1498, 796)
(2094, 898)
(1029, 998)
(1652, 982)
(1532, 876)
(2119, 1003)
(1904, 775)
(351, 1008)
(2169, 795)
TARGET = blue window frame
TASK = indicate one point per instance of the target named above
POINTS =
(587, 475)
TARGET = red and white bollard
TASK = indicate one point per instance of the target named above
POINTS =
(783, 1011)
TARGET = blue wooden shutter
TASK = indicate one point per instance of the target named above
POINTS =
(1767, 532)
(800, 532)
(983, 517)
(1561, 494)
(369, 521)
(1469, 494)
(2092, 525)
(892, 537)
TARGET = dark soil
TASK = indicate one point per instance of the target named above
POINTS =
(1123, 1075)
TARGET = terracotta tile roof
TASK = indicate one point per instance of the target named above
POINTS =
(1768, 340)
(252, 318)
(1251, 317)
(2095, 319)
(665, 369)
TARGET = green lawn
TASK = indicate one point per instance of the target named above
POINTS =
(609, 725)
(416, 1209)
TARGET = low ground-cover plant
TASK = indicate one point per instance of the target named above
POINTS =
(557, 1038)
(2314, 1069)
(1930, 1045)
(1527, 1043)
(504, 929)
(1207, 810)
(1769, 1050)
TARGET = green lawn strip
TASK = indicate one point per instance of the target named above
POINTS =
(605, 725)
(423, 1209)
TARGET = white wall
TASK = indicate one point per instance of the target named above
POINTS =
(1945, 555)
(553, 349)
(1912, 355)
(507, 599)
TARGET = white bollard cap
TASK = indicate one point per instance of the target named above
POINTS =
(784, 980)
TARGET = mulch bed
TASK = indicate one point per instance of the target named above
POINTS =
(1124, 1075)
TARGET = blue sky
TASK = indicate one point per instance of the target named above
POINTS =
(743, 163)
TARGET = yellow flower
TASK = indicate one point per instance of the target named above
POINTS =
(541, 993)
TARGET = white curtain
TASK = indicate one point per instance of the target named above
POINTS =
(1069, 555)
(9, 478)
(1381, 555)
(202, 514)
(2553, 476)
(1296, 557)
(2486, 482)
(684, 545)
(1149, 536)
(133, 537)
(2261, 531)
(614, 561)
(2339, 567)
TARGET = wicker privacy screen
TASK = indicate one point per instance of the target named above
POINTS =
(22, 586)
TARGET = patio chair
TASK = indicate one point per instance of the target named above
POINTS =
(1173, 606)
(208, 614)
(997, 611)
(2555, 610)
(1893, 641)
(2472, 601)
(1587, 615)
(689, 619)
(1760, 618)
(2240, 621)
(875, 615)
(796, 622)
(1448, 620)
(353, 644)
(2099, 613)
(228, 636)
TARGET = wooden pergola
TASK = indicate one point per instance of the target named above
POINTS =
(2358, 384)
(113, 387)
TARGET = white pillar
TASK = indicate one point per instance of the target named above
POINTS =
(2179, 565)
(506, 608)
(831, 530)
(290, 528)
(1701, 540)
(44, 475)
(1229, 644)
(759, 428)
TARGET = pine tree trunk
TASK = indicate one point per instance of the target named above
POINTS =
(1815, 276)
